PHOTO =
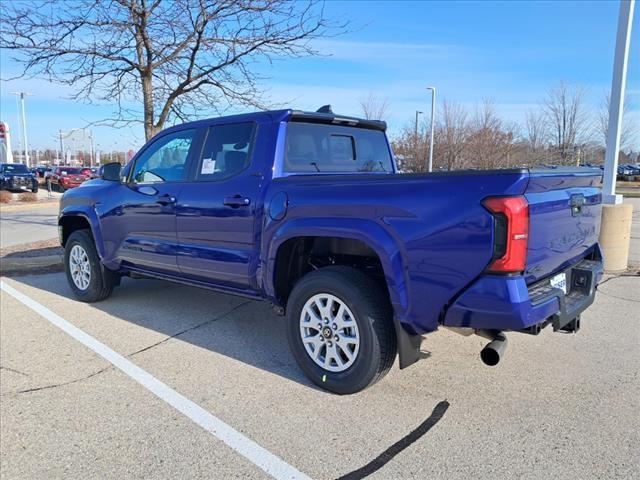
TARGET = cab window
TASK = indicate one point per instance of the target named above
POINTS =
(165, 159)
(227, 151)
(320, 148)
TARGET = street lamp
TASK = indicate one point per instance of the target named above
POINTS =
(415, 137)
(24, 125)
(433, 117)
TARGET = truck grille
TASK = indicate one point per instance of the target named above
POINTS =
(20, 181)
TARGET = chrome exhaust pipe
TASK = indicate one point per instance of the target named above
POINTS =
(493, 352)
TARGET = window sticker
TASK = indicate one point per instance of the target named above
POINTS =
(208, 166)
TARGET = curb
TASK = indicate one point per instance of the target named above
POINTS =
(28, 206)
(629, 194)
(21, 265)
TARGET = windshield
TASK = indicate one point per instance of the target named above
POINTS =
(313, 147)
(15, 168)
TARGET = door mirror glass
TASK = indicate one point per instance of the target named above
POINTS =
(111, 172)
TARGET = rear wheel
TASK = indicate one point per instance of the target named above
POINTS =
(88, 279)
(340, 329)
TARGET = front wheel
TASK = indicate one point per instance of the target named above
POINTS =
(88, 279)
(340, 329)
(61, 188)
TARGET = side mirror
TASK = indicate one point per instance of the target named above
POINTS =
(111, 172)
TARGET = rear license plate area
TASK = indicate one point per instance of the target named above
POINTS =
(559, 281)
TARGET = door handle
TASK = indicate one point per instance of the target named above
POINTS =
(237, 201)
(166, 200)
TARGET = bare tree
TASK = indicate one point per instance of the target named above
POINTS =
(451, 135)
(534, 147)
(536, 132)
(490, 143)
(374, 108)
(566, 119)
(176, 57)
(628, 132)
(407, 147)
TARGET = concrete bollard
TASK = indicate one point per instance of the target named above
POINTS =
(615, 233)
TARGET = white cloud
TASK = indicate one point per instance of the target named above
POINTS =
(366, 52)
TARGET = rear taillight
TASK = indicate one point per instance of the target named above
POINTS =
(511, 233)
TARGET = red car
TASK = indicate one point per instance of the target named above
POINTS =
(64, 178)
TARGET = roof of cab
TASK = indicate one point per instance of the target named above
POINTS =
(276, 116)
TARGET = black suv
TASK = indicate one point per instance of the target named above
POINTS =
(16, 176)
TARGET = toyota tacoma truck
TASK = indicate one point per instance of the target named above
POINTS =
(308, 211)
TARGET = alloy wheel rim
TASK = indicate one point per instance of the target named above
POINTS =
(80, 267)
(329, 332)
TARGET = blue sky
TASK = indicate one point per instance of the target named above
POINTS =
(509, 52)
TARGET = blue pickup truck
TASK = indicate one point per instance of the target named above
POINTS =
(307, 210)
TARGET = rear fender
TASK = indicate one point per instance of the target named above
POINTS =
(387, 249)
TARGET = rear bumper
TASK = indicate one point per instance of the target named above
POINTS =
(507, 303)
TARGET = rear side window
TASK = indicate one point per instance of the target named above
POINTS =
(227, 151)
(319, 148)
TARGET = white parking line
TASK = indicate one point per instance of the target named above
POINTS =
(259, 456)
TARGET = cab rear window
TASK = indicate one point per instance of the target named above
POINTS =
(320, 148)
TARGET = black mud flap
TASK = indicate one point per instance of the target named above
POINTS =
(408, 346)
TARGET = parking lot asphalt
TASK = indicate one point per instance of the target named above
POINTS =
(558, 405)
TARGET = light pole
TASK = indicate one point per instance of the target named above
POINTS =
(24, 125)
(433, 118)
(618, 84)
(90, 148)
(615, 230)
(61, 160)
(415, 137)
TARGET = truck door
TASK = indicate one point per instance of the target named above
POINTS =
(143, 227)
(216, 211)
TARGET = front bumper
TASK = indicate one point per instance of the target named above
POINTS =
(70, 184)
(20, 183)
(506, 303)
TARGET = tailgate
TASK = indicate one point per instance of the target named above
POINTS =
(564, 212)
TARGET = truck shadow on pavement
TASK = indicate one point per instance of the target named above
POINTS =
(239, 328)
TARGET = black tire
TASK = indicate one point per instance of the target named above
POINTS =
(101, 281)
(60, 188)
(373, 314)
(34, 190)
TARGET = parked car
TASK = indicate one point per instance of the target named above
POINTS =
(624, 170)
(17, 177)
(306, 210)
(64, 178)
